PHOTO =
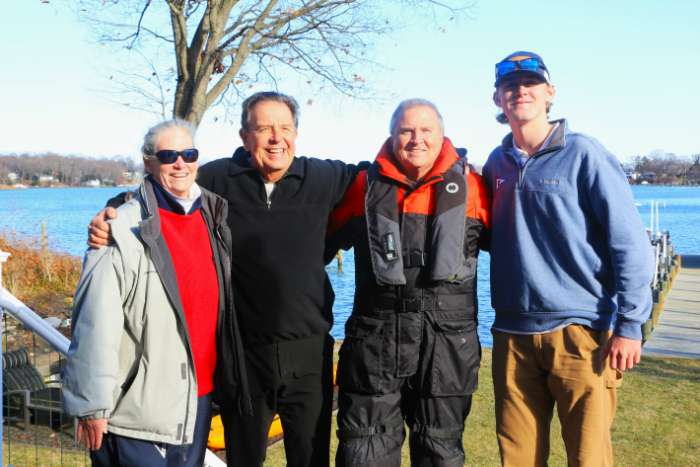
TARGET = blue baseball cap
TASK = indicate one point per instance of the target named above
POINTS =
(519, 63)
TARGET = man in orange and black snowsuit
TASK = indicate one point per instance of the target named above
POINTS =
(416, 219)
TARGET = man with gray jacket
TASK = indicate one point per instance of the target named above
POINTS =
(148, 313)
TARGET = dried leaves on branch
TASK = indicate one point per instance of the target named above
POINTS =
(197, 53)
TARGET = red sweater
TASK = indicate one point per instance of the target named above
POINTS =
(187, 238)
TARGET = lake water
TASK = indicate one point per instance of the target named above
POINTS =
(67, 212)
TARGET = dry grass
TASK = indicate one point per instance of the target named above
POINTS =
(43, 279)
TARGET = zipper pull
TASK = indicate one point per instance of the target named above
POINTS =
(269, 203)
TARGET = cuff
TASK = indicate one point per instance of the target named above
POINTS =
(628, 329)
(96, 415)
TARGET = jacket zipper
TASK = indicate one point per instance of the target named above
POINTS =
(268, 195)
(521, 169)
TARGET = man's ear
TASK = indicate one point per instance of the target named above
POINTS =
(551, 92)
(242, 133)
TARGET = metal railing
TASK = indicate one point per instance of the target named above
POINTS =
(35, 431)
(666, 266)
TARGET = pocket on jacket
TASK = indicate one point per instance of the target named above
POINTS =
(456, 357)
(363, 355)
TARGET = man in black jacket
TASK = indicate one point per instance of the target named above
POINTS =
(278, 212)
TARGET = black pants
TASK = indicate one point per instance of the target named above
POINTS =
(120, 451)
(414, 368)
(294, 380)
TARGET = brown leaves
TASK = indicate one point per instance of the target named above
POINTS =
(43, 279)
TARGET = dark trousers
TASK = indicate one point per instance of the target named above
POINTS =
(120, 451)
(372, 429)
(414, 368)
(294, 380)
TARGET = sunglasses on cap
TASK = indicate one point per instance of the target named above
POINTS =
(169, 156)
(526, 64)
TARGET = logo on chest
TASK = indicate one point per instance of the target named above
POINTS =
(452, 188)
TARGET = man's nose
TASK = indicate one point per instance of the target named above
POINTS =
(179, 162)
(275, 134)
(520, 88)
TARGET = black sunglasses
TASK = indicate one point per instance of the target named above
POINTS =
(169, 156)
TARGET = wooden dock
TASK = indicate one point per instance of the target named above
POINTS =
(677, 333)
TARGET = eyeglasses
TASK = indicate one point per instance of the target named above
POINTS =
(169, 156)
(526, 64)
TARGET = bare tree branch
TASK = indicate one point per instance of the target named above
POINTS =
(217, 46)
(138, 25)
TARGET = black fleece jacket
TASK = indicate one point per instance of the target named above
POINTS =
(281, 290)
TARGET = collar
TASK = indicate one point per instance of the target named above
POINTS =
(520, 156)
(554, 141)
(240, 163)
(389, 166)
(545, 144)
(172, 203)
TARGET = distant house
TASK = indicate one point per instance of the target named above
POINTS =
(94, 183)
(12, 177)
(632, 175)
(649, 177)
(45, 180)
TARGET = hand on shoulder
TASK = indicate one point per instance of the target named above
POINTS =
(99, 231)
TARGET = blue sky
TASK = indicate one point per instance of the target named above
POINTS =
(626, 72)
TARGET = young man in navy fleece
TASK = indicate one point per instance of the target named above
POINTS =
(569, 261)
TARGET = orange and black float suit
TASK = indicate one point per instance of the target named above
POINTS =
(411, 350)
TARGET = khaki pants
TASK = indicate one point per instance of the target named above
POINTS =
(533, 372)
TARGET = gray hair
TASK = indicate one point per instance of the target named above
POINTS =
(148, 150)
(409, 104)
(263, 96)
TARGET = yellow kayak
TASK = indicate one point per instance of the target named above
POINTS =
(216, 432)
